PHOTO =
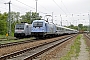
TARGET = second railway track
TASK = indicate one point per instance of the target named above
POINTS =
(16, 43)
(33, 52)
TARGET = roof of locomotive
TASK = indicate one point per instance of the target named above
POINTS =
(39, 21)
(23, 24)
(42, 21)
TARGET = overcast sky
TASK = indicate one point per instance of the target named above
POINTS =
(71, 11)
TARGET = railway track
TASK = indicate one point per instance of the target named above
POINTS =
(88, 36)
(16, 43)
(30, 53)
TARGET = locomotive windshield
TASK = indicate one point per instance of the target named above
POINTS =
(37, 24)
(20, 26)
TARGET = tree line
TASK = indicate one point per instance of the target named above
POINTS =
(16, 18)
(27, 17)
(80, 27)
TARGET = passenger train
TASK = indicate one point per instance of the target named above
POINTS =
(41, 29)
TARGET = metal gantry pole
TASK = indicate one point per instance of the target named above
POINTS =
(89, 23)
(61, 20)
(36, 9)
(30, 17)
(36, 6)
(52, 17)
(9, 17)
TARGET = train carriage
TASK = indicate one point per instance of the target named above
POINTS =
(59, 30)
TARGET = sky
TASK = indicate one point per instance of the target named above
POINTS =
(68, 11)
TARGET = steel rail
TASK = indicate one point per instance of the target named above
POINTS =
(15, 54)
(15, 43)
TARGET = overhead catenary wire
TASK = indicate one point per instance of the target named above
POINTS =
(30, 6)
(44, 8)
(67, 9)
(18, 8)
(25, 4)
(65, 6)
(59, 7)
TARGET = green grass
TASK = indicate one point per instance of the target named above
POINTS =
(74, 50)
(9, 41)
(2, 36)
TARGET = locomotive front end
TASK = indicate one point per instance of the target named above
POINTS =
(19, 30)
(38, 28)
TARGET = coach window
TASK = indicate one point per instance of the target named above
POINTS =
(57, 28)
(60, 28)
(45, 24)
(27, 26)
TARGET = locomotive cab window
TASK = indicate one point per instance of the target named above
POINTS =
(20, 26)
(37, 24)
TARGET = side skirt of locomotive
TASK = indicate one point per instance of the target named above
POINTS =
(42, 35)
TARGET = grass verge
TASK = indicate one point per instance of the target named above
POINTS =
(74, 49)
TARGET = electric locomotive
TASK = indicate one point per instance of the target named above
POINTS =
(42, 28)
(22, 30)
